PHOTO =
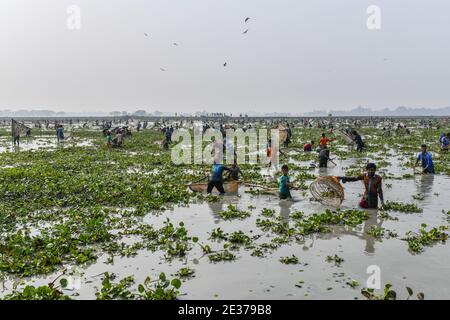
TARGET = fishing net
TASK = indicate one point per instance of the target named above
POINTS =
(347, 137)
(283, 133)
(17, 129)
(328, 191)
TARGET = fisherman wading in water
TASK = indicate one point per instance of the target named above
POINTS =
(373, 186)
(427, 162)
(285, 184)
(216, 178)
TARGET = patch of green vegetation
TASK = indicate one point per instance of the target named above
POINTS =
(402, 207)
(224, 255)
(317, 223)
(111, 290)
(417, 241)
(289, 260)
(388, 293)
(161, 289)
(380, 232)
(419, 196)
(268, 212)
(185, 272)
(48, 292)
(232, 212)
(336, 259)
(353, 283)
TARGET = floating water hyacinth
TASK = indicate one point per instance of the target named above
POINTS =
(83, 205)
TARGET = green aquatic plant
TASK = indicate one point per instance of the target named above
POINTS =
(232, 212)
(185, 272)
(267, 212)
(336, 259)
(402, 207)
(297, 215)
(239, 237)
(72, 205)
(111, 290)
(318, 223)
(162, 289)
(48, 292)
(352, 283)
(380, 232)
(388, 294)
(419, 196)
(218, 234)
(289, 260)
(224, 255)
(417, 241)
(258, 252)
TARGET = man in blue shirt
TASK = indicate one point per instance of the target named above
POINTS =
(216, 178)
(60, 133)
(445, 143)
(427, 161)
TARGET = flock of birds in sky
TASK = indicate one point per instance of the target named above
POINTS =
(176, 44)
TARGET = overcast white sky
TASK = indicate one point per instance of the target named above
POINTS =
(297, 56)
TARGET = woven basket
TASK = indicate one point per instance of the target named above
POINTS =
(328, 191)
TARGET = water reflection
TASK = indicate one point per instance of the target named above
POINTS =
(221, 205)
(361, 234)
(216, 207)
(285, 210)
(369, 223)
(425, 184)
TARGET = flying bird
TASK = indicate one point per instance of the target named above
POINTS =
(146, 34)
(245, 31)
(225, 64)
(246, 19)
(162, 69)
(175, 44)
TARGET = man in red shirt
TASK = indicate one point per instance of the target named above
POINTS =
(324, 140)
(308, 146)
(373, 187)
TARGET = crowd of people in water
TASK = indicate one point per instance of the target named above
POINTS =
(372, 181)
(348, 129)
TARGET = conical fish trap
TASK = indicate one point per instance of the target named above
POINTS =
(283, 133)
(328, 191)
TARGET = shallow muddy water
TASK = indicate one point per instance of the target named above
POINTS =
(267, 278)
(43, 143)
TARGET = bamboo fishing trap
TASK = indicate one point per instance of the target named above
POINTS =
(328, 191)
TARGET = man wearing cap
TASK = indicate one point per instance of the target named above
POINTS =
(373, 185)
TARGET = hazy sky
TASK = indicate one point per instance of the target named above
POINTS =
(297, 55)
